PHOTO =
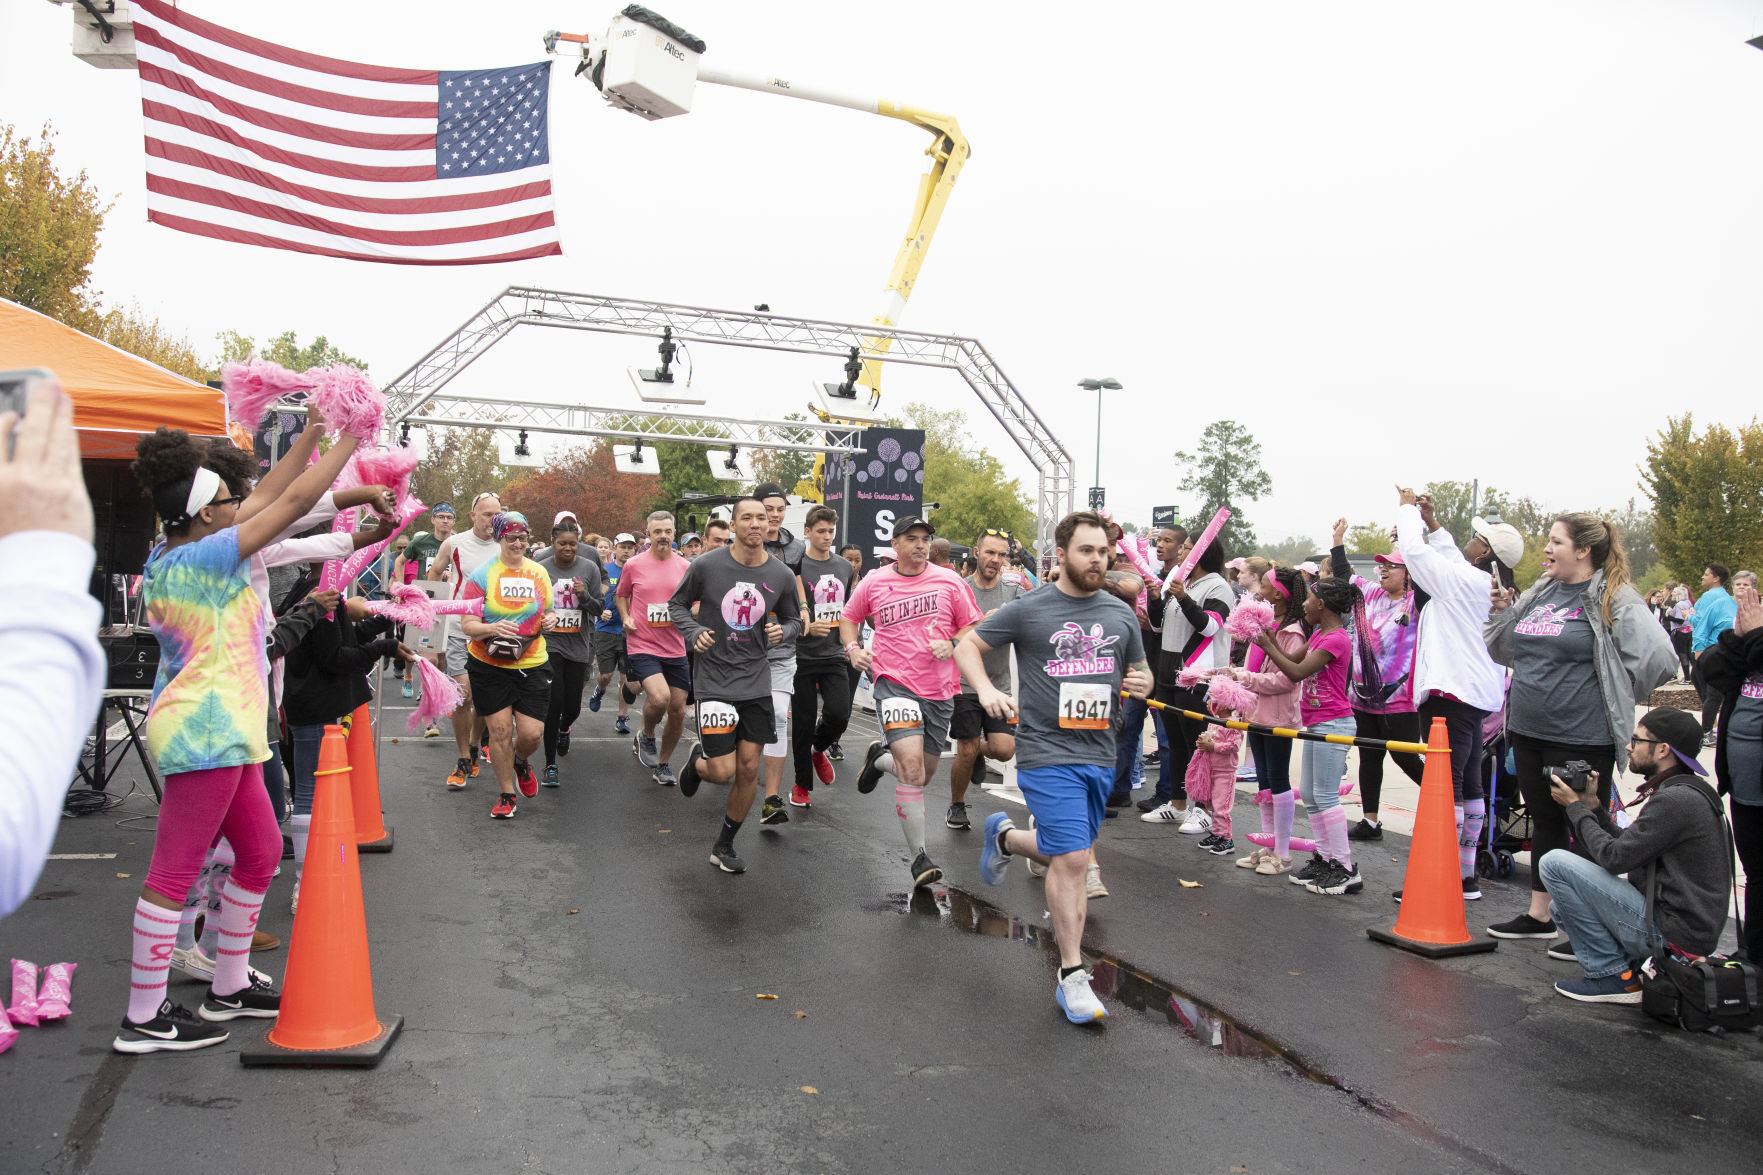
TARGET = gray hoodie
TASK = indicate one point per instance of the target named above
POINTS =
(1634, 656)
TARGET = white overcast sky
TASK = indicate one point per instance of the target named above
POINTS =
(1397, 240)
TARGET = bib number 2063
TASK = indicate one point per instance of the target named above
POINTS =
(901, 714)
(1085, 706)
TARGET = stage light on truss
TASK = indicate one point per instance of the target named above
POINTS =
(730, 464)
(523, 454)
(656, 385)
(635, 459)
(839, 407)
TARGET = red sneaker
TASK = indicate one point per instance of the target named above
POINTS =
(524, 779)
(823, 766)
(504, 809)
(799, 796)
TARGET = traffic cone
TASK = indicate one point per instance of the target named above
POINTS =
(1431, 921)
(371, 833)
(327, 1013)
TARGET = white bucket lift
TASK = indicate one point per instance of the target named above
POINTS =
(103, 33)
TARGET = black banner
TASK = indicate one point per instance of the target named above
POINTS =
(884, 483)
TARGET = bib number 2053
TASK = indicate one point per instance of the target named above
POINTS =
(1085, 705)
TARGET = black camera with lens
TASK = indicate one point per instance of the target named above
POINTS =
(1575, 773)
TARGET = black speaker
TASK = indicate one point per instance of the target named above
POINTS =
(123, 530)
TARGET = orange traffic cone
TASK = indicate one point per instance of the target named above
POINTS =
(371, 833)
(1431, 921)
(327, 1014)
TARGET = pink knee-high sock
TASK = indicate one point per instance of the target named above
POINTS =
(1340, 848)
(238, 922)
(156, 933)
(220, 872)
(1285, 806)
(1264, 806)
(1469, 826)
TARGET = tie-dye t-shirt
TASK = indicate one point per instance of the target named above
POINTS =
(210, 699)
(521, 594)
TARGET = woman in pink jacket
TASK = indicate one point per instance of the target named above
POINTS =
(1276, 705)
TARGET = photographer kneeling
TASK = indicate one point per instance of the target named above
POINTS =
(1677, 844)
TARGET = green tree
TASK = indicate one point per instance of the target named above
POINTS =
(1707, 496)
(970, 485)
(1225, 472)
(286, 350)
(133, 331)
(1290, 551)
(786, 467)
(49, 224)
(1369, 538)
(1451, 505)
(461, 463)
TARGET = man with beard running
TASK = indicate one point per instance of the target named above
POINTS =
(1076, 648)
(732, 605)
(918, 611)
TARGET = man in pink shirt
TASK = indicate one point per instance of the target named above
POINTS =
(654, 649)
(918, 611)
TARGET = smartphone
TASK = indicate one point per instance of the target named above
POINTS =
(15, 392)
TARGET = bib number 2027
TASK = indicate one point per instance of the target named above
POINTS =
(1085, 705)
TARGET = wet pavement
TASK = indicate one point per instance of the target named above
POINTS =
(580, 992)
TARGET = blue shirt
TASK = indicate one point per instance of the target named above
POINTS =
(616, 624)
(1714, 615)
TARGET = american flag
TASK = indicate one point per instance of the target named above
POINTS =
(262, 145)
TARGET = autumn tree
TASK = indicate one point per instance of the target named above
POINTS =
(1707, 493)
(1369, 538)
(583, 480)
(286, 350)
(1225, 472)
(971, 487)
(49, 224)
(134, 331)
(461, 463)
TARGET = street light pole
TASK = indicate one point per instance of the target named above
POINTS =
(1096, 385)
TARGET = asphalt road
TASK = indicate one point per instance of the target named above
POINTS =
(579, 991)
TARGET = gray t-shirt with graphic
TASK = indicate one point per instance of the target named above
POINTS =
(575, 607)
(827, 584)
(1071, 654)
(734, 601)
(1555, 694)
(1744, 743)
(990, 599)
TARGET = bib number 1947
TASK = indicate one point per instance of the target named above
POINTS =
(1085, 705)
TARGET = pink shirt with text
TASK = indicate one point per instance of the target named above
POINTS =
(1325, 691)
(908, 612)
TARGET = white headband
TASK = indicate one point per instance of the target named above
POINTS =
(204, 488)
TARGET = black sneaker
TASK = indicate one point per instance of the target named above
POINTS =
(1222, 846)
(1365, 830)
(1310, 872)
(1336, 879)
(979, 771)
(1563, 951)
(1148, 803)
(1471, 889)
(871, 774)
(172, 1030)
(1207, 841)
(957, 818)
(258, 1001)
(1523, 926)
(924, 871)
(772, 811)
(1119, 799)
(723, 857)
(688, 775)
(836, 753)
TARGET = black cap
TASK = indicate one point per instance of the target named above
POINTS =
(906, 524)
(1681, 731)
(769, 489)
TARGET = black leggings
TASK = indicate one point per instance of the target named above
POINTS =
(1273, 762)
(1463, 730)
(567, 679)
(1747, 833)
(1183, 734)
(1403, 728)
(1548, 820)
(829, 683)
(1712, 699)
(1680, 644)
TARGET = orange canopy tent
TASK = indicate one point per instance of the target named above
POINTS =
(116, 396)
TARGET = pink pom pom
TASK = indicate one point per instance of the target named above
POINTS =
(408, 605)
(350, 402)
(1251, 618)
(390, 468)
(1190, 677)
(440, 696)
(253, 387)
(1230, 694)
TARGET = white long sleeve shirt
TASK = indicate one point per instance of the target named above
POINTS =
(51, 683)
(1450, 657)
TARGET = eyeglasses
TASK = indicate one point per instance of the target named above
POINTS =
(233, 501)
(1658, 742)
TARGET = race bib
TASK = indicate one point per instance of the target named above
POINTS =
(659, 617)
(828, 611)
(569, 619)
(716, 718)
(901, 714)
(517, 590)
(1085, 705)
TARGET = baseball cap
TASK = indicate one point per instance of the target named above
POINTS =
(1310, 566)
(1502, 537)
(562, 514)
(1235, 564)
(1680, 731)
(1394, 558)
(769, 489)
(624, 536)
(907, 524)
(691, 536)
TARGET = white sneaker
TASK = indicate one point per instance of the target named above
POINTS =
(1165, 813)
(1198, 821)
(1080, 1003)
(1093, 887)
(199, 966)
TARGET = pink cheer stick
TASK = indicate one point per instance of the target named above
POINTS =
(1200, 545)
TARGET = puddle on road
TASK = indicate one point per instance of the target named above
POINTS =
(1112, 978)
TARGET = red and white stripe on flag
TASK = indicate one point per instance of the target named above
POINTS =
(262, 145)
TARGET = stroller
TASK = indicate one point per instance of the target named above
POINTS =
(1508, 826)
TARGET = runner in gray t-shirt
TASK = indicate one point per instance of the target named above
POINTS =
(1076, 648)
(746, 601)
(979, 736)
(576, 598)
